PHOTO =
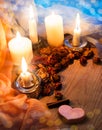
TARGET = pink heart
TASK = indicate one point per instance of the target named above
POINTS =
(73, 115)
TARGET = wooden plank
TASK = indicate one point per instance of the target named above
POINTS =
(83, 86)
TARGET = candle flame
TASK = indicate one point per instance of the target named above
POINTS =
(78, 22)
(24, 65)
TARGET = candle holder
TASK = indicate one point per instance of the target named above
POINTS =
(68, 42)
(29, 85)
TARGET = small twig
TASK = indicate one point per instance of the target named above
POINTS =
(58, 103)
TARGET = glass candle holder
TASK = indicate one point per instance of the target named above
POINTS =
(68, 42)
(28, 84)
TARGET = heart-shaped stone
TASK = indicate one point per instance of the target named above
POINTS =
(73, 115)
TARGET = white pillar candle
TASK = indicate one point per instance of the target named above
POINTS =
(33, 27)
(77, 32)
(54, 30)
(20, 47)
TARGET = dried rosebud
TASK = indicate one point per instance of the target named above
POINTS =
(46, 51)
(55, 54)
(40, 66)
(58, 67)
(56, 78)
(71, 55)
(65, 62)
(83, 60)
(58, 86)
(96, 60)
(54, 49)
(51, 70)
(77, 55)
(58, 95)
(51, 60)
(89, 54)
(47, 90)
(70, 58)
(63, 52)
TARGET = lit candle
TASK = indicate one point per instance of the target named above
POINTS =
(32, 27)
(27, 82)
(26, 77)
(20, 47)
(77, 32)
(54, 30)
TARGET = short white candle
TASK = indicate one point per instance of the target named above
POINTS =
(54, 30)
(20, 47)
(77, 32)
(33, 27)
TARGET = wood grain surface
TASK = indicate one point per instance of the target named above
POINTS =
(83, 86)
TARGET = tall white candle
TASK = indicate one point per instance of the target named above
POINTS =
(54, 30)
(77, 32)
(33, 26)
(20, 47)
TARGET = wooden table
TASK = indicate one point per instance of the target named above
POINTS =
(83, 86)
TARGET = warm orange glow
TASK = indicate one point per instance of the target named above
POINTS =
(24, 65)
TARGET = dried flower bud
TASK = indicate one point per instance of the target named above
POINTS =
(58, 95)
(57, 67)
(77, 55)
(65, 62)
(89, 54)
(70, 57)
(56, 78)
(58, 86)
(96, 60)
(83, 60)
(47, 90)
